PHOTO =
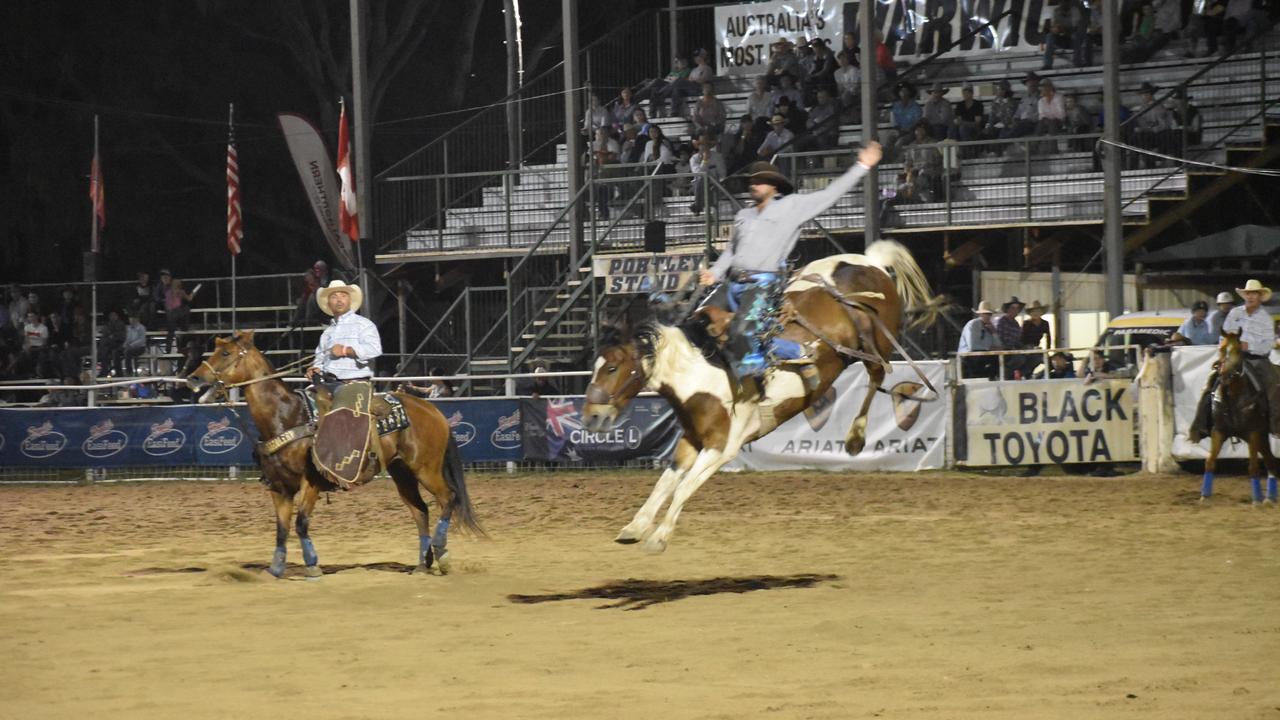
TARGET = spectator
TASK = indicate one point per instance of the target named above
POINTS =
(969, 116)
(1152, 125)
(1060, 366)
(796, 117)
(664, 91)
(1052, 113)
(786, 89)
(35, 339)
(681, 184)
(1027, 117)
(709, 114)
(111, 344)
(161, 288)
(1243, 17)
(1068, 27)
(979, 335)
(1225, 302)
(435, 389)
(742, 149)
(823, 125)
(702, 72)
(1099, 368)
(632, 144)
(143, 301)
(605, 152)
(316, 277)
(884, 61)
(1206, 22)
(535, 386)
(69, 397)
(782, 62)
(659, 154)
(777, 137)
(1168, 19)
(1195, 329)
(597, 116)
(1188, 125)
(707, 161)
(906, 113)
(641, 121)
(1004, 108)
(760, 101)
(937, 113)
(1035, 331)
(848, 84)
(18, 306)
(135, 343)
(623, 110)
(177, 312)
(924, 165)
(1010, 332)
(823, 75)
(1077, 121)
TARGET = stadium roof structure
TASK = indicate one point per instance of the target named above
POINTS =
(1243, 242)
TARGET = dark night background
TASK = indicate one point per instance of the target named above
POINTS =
(161, 74)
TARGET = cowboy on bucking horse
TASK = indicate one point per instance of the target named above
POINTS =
(1257, 334)
(751, 270)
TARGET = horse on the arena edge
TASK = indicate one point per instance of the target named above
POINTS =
(849, 311)
(422, 455)
(1239, 411)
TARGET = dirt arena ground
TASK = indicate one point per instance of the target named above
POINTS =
(782, 596)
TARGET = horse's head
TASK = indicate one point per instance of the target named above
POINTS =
(618, 377)
(231, 361)
(1230, 355)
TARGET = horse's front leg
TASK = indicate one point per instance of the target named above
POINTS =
(311, 562)
(1273, 470)
(1211, 465)
(1256, 442)
(642, 523)
(284, 516)
(709, 460)
(856, 438)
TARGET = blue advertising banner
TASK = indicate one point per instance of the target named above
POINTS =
(125, 437)
(485, 430)
(552, 430)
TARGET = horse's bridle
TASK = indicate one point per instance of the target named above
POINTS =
(596, 395)
(220, 385)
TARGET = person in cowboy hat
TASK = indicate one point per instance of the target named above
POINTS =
(1225, 301)
(1257, 332)
(776, 138)
(752, 264)
(349, 345)
(1009, 331)
(979, 335)
(1195, 329)
(1035, 331)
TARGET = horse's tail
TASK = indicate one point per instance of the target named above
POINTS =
(460, 509)
(908, 279)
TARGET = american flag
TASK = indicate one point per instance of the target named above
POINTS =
(97, 194)
(235, 227)
(347, 211)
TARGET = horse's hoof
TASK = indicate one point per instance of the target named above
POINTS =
(443, 563)
(1204, 501)
(855, 447)
(312, 572)
(422, 570)
(276, 572)
(633, 533)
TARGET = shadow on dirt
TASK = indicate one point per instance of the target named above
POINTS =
(635, 594)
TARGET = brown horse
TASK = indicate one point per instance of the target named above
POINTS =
(844, 309)
(421, 455)
(1239, 411)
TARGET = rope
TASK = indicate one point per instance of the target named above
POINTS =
(1266, 172)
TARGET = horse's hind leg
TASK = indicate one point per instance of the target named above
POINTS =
(642, 523)
(1273, 470)
(284, 516)
(1256, 441)
(856, 438)
(311, 562)
(407, 486)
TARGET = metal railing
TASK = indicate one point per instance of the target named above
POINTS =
(1034, 363)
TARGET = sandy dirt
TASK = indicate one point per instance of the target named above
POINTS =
(953, 596)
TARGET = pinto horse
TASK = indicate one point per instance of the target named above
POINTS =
(423, 455)
(1239, 411)
(843, 309)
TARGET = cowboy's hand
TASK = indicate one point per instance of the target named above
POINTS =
(871, 154)
(339, 351)
(705, 277)
(312, 372)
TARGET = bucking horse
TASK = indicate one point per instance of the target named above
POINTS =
(413, 442)
(842, 310)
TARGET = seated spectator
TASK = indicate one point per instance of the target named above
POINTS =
(907, 114)
(641, 121)
(1099, 368)
(681, 184)
(1035, 331)
(135, 343)
(1068, 27)
(760, 101)
(1004, 109)
(69, 397)
(778, 136)
(1010, 332)
(142, 301)
(782, 62)
(68, 305)
(1027, 117)
(597, 116)
(979, 335)
(535, 386)
(624, 109)
(35, 339)
(747, 139)
(1052, 112)
(111, 344)
(1060, 366)
(1152, 126)
(823, 125)
(1244, 20)
(884, 61)
(796, 117)
(605, 152)
(702, 72)
(660, 156)
(18, 306)
(1077, 121)
(632, 144)
(786, 89)
(969, 118)
(668, 92)
(937, 112)
(1195, 330)
(707, 161)
(1188, 124)
(924, 165)
(709, 114)
(1206, 22)
(823, 74)
(434, 389)
(848, 85)
(177, 312)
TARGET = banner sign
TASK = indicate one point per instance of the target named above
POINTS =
(744, 33)
(485, 430)
(315, 169)
(1039, 422)
(647, 272)
(1190, 367)
(122, 437)
(552, 430)
(906, 428)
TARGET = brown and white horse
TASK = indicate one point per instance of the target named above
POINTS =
(850, 315)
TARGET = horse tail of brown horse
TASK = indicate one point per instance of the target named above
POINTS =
(908, 279)
(460, 509)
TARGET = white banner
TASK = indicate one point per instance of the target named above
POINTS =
(1191, 367)
(905, 429)
(744, 33)
(315, 169)
(646, 272)
(1043, 422)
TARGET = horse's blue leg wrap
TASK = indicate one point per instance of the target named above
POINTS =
(1257, 489)
(278, 561)
(1271, 489)
(441, 536)
(424, 547)
(309, 552)
(1206, 489)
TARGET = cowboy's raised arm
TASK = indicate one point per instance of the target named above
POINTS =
(808, 206)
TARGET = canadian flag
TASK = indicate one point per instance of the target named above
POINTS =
(347, 213)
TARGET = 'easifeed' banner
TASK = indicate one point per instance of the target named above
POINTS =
(123, 437)
(906, 427)
(485, 430)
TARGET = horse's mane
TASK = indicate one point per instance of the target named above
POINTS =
(653, 335)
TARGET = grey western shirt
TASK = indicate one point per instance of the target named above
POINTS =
(762, 239)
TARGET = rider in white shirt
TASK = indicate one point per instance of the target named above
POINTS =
(350, 344)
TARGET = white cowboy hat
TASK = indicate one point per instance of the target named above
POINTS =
(984, 308)
(322, 295)
(1225, 297)
(1255, 286)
